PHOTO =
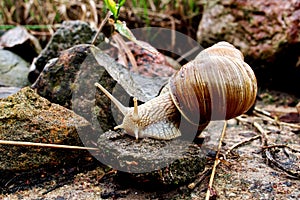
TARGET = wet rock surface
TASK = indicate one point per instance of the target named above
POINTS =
(151, 161)
(267, 33)
(25, 116)
(13, 69)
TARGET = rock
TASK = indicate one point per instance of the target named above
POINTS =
(6, 91)
(56, 81)
(22, 43)
(157, 162)
(267, 33)
(13, 69)
(70, 33)
(25, 116)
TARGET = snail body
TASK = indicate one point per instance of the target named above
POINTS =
(216, 85)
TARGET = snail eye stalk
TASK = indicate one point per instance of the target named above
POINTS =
(135, 115)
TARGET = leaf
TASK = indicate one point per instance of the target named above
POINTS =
(121, 3)
(124, 30)
(111, 4)
(118, 6)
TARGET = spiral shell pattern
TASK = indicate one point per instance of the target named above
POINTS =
(216, 85)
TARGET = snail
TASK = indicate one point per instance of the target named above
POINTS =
(216, 85)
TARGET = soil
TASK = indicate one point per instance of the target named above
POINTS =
(245, 173)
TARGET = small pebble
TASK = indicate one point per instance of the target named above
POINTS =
(232, 195)
(287, 183)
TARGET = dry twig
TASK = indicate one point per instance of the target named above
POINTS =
(35, 144)
(269, 153)
(217, 161)
(267, 149)
(201, 176)
(241, 144)
(293, 149)
(267, 116)
(103, 22)
(270, 157)
(125, 50)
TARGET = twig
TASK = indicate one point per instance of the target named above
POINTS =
(267, 148)
(282, 146)
(201, 176)
(262, 112)
(241, 143)
(267, 116)
(190, 52)
(217, 161)
(35, 144)
(268, 152)
(123, 47)
(244, 141)
(280, 166)
(264, 139)
(241, 119)
(101, 26)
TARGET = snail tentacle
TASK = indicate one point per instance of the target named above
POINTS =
(135, 110)
(124, 110)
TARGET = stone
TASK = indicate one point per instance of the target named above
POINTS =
(25, 116)
(159, 162)
(267, 33)
(7, 91)
(70, 33)
(13, 69)
(21, 42)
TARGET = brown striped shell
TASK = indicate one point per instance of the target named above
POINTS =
(217, 85)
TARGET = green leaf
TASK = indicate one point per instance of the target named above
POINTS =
(111, 4)
(118, 6)
(124, 30)
(121, 3)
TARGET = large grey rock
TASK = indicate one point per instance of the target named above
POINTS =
(266, 31)
(13, 69)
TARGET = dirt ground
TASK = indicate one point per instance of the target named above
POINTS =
(245, 173)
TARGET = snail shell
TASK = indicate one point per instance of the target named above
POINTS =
(216, 85)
